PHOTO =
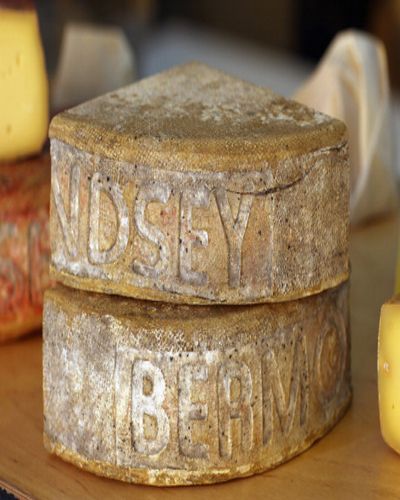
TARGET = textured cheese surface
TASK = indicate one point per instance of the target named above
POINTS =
(170, 395)
(194, 117)
(24, 244)
(193, 186)
(204, 237)
(23, 85)
(389, 373)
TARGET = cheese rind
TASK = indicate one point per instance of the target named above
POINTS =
(195, 187)
(170, 395)
(23, 85)
(389, 373)
(24, 244)
(195, 118)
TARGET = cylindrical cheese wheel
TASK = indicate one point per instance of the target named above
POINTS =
(195, 187)
(173, 395)
(24, 244)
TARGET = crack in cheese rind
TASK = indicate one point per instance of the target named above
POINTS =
(193, 186)
(23, 85)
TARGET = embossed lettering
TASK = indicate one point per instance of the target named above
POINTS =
(69, 224)
(330, 357)
(155, 193)
(189, 411)
(234, 402)
(190, 237)
(98, 184)
(219, 404)
(277, 398)
(150, 405)
(234, 231)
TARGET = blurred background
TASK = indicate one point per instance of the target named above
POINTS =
(271, 42)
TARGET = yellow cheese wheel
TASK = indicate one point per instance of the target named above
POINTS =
(23, 84)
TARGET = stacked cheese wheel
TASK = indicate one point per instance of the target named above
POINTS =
(24, 171)
(199, 233)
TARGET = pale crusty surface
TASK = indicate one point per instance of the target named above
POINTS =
(196, 118)
(24, 244)
(172, 395)
(193, 186)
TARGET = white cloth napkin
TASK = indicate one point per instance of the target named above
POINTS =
(351, 83)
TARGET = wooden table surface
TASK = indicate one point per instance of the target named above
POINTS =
(351, 462)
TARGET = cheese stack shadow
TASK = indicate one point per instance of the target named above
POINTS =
(199, 232)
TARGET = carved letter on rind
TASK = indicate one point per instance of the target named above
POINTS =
(234, 230)
(330, 356)
(69, 223)
(176, 395)
(103, 183)
(189, 411)
(238, 407)
(152, 193)
(276, 399)
(148, 404)
(190, 237)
